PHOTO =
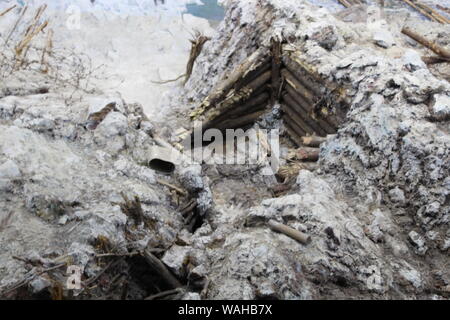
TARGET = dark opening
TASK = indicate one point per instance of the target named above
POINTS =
(162, 166)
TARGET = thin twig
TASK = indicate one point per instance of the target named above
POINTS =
(26, 281)
(7, 10)
(165, 294)
(170, 186)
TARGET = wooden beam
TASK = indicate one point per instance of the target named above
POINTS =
(290, 232)
(229, 81)
(429, 44)
(302, 76)
(324, 123)
(160, 268)
(299, 116)
(294, 83)
(276, 69)
(313, 141)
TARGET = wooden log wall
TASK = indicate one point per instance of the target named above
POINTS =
(310, 105)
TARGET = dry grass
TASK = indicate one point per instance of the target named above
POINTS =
(29, 46)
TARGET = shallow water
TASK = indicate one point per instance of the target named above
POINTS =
(210, 10)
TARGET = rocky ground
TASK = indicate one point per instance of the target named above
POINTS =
(77, 187)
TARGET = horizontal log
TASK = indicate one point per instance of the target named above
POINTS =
(307, 154)
(230, 80)
(256, 103)
(297, 123)
(240, 122)
(292, 133)
(294, 83)
(290, 232)
(314, 76)
(302, 76)
(294, 125)
(261, 68)
(313, 141)
(234, 98)
(251, 105)
(324, 123)
(234, 117)
(300, 116)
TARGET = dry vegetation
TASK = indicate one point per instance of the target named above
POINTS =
(28, 46)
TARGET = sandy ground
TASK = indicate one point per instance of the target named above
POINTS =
(133, 43)
(137, 50)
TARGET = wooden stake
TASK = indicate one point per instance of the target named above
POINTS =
(28, 38)
(429, 44)
(290, 232)
(47, 50)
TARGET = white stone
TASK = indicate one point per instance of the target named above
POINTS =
(114, 124)
(9, 169)
(441, 107)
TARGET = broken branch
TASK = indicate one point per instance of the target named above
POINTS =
(170, 186)
(165, 294)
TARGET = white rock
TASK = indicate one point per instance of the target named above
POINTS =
(39, 284)
(9, 169)
(191, 296)
(397, 196)
(419, 242)
(441, 107)
(114, 124)
(412, 60)
(175, 259)
(383, 38)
